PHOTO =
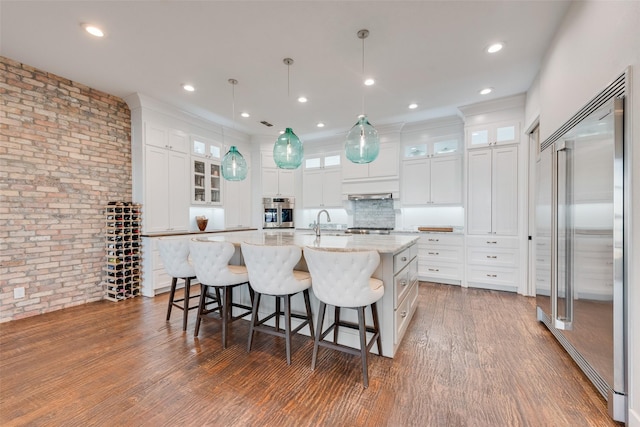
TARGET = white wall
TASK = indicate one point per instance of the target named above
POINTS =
(595, 43)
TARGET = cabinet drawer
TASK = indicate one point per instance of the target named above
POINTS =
(401, 259)
(161, 279)
(404, 280)
(442, 253)
(434, 270)
(403, 314)
(497, 257)
(441, 239)
(493, 242)
(496, 275)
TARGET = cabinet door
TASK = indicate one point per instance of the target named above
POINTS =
(352, 170)
(269, 182)
(156, 191)
(312, 188)
(156, 135)
(286, 185)
(332, 188)
(178, 186)
(504, 195)
(416, 177)
(446, 180)
(386, 165)
(479, 191)
(178, 141)
(237, 203)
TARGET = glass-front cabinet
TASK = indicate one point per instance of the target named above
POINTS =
(499, 133)
(434, 146)
(203, 147)
(206, 182)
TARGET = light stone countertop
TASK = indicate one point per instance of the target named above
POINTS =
(336, 241)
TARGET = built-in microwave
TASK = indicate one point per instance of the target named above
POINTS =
(278, 212)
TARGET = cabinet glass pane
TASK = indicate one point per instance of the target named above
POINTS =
(415, 150)
(312, 163)
(332, 160)
(506, 133)
(480, 137)
(215, 183)
(214, 151)
(444, 147)
(199, 147)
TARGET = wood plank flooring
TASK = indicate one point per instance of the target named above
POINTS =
(469, 358)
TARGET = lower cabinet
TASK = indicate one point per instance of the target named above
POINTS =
(155, 279)
(405, 288)
(492, 262)
(441, 258)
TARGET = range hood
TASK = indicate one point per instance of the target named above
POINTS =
(370, 196)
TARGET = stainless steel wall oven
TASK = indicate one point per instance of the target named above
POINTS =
(278, 212)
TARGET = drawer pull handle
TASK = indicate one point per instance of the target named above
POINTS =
(492, 256)
(403, 314)
(492, 242)
(404, 258)
(492, 275)
(434, 269)
(403, 282)
(434, 253)
(434, 240)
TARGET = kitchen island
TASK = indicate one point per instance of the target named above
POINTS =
(398, 270)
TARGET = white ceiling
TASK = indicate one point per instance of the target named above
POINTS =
(428, 52)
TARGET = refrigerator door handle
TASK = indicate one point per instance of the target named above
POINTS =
(563, 273)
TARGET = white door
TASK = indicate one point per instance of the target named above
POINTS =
(156, 194)
(504, 195)
(479, 191)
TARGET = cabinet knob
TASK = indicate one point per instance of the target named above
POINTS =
(403, 314)
(404, 258)
(403, 282)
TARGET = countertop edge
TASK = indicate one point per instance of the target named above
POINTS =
(197, 233)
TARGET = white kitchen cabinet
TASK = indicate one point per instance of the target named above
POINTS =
(206, 182)
(432, 181)
(322, 181)
(385, 166)
(275, 181)
(203, 147)
(492, 189)
(493, 262)
(166, 200)
(491, 134)
(405, 290)
(163, 137)
(441, 258)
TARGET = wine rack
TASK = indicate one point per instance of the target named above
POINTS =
(123, 251)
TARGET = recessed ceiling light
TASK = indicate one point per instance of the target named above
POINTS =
(320, 125)
(496, 47)
(413, 106)
(188, 88)
(245, 115)
(93, 30)
(369, 82)
(486, 91)
(302, 99)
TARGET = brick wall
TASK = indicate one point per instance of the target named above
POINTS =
(65, 152)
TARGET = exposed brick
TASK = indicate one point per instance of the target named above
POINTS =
(65, 152)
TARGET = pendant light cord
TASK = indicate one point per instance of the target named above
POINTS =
(362, 82)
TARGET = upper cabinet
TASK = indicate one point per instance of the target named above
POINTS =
(498, 133)
(384, 166)
(322, 181)
(163, 137)
(206, 182)
(209, 149)
(275, 181)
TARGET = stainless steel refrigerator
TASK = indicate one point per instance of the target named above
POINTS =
(579, 242)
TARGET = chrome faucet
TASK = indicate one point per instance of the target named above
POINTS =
(316, 226)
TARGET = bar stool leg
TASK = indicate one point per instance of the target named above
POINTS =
(376, 326)
(278, 314)
(287, 326)
(174, 282)
(307, 303)
(226, 310)
(336, 321)
(254, 319)
(185, 303)
(201, 305)
(321, 310)
(363, 345)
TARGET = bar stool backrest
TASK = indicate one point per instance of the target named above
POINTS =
(175, 257)
(342, 278)
(271, 268)
(211, 262)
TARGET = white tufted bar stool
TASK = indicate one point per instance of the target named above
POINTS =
(343, 279)
(271, 272)
(211, 262)
(175, 257)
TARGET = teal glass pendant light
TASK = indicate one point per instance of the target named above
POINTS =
(363, 143)
(288, 150)
(234, 166)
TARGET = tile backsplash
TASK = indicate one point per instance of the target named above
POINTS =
(374, 213)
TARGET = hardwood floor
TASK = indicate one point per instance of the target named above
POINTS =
(470, 358)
